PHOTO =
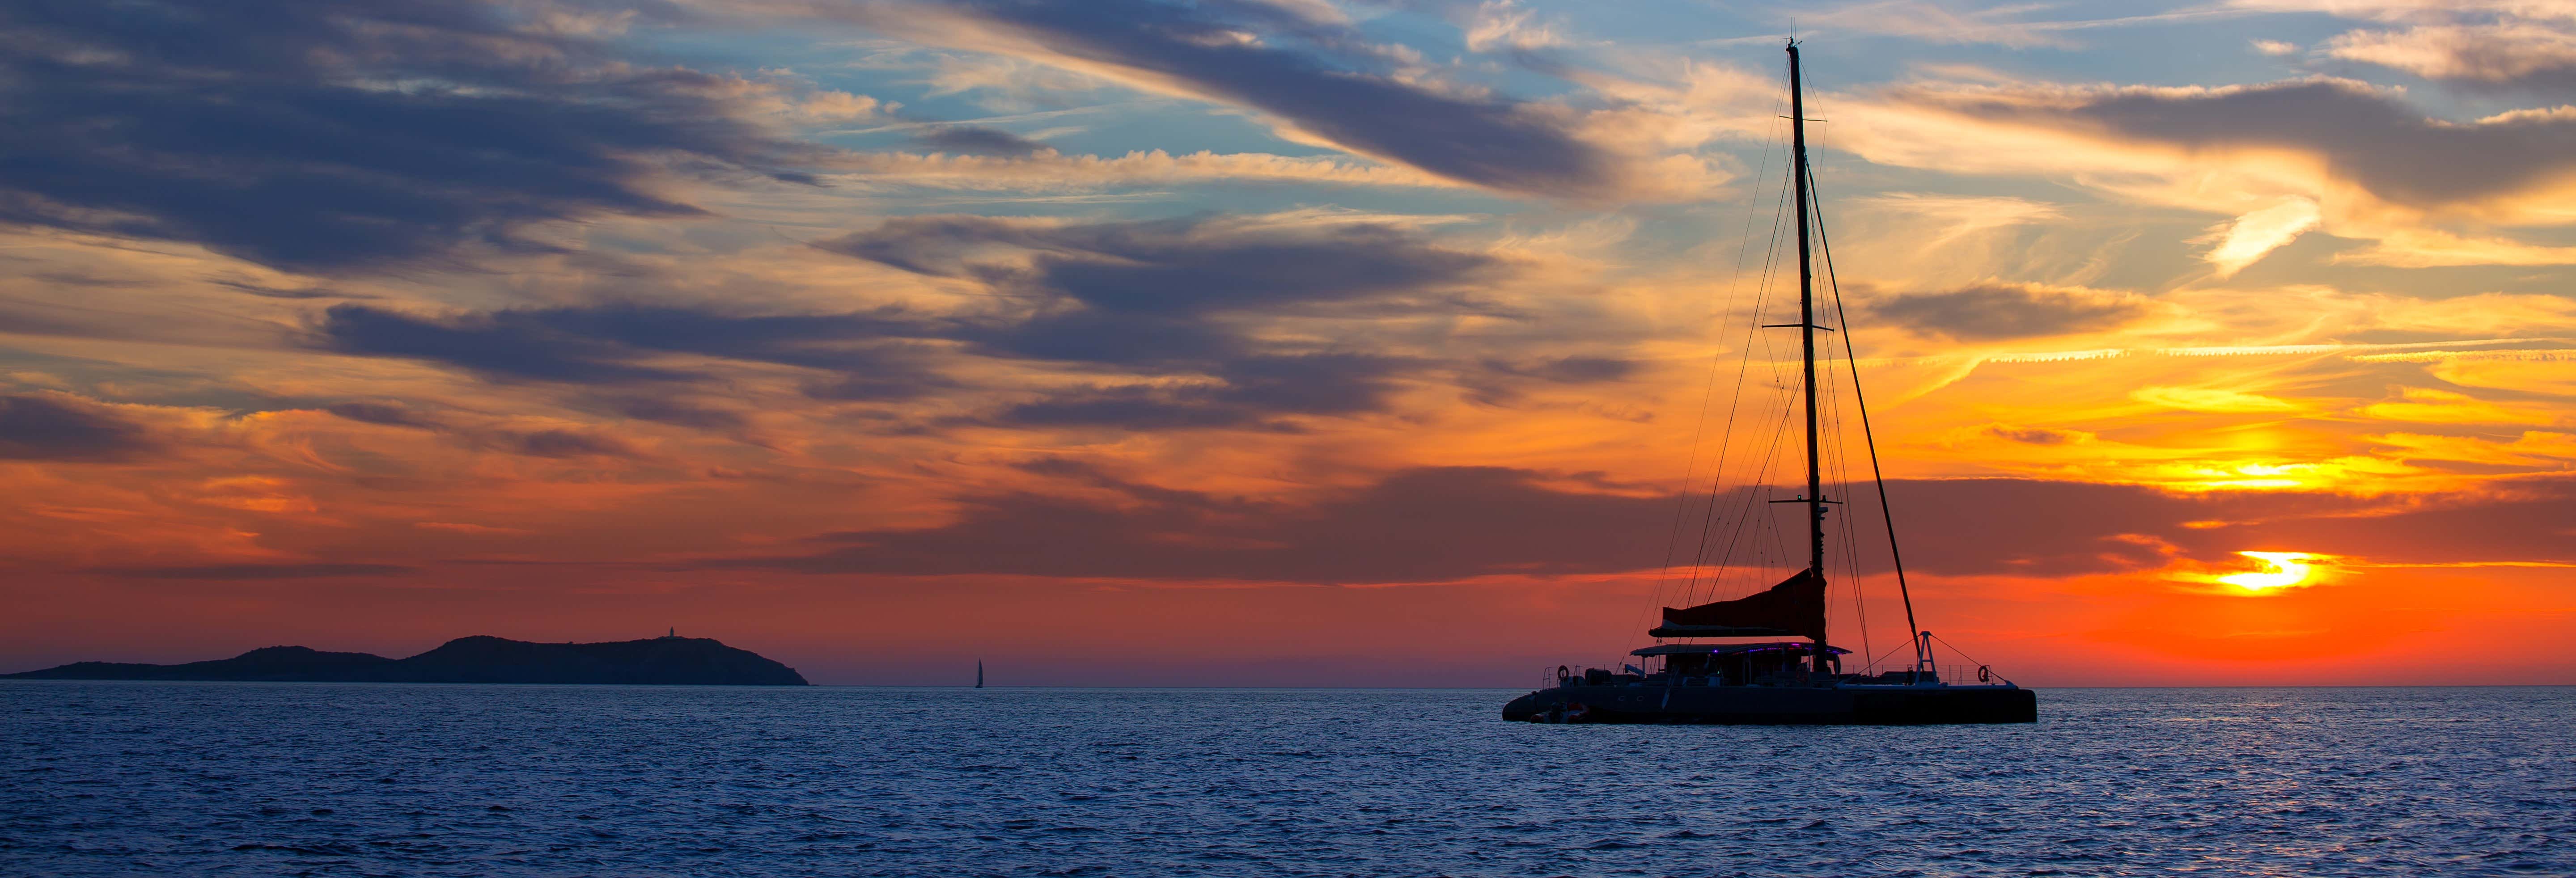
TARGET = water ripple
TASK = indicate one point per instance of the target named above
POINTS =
(330, 779)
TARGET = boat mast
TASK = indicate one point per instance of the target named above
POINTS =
(1807, 333)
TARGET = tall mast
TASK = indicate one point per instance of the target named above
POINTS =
(1807, 333)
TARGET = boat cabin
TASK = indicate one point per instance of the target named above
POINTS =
(1731, 664)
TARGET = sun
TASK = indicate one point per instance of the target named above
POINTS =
(2282, 570)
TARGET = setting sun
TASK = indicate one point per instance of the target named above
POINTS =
(2281, 570)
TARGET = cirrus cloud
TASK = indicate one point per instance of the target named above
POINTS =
(1998, 311)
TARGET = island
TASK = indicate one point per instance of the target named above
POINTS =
(658, 661)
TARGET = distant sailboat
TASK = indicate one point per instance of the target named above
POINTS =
(979, 673)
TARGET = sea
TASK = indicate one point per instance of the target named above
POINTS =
(395, 779)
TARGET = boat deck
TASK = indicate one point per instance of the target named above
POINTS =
(1842, 702)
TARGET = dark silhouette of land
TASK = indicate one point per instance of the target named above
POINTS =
(667, 661)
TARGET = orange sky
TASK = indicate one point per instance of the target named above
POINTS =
(1283, 343)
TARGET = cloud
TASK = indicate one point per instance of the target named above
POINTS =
(1417, 525)
(998, 82)
(470, 528)
(839, 106)
(2425, 248)
(1932, 22)
(2373, 164)
(244, 572)
(2365, 135)
(385, 414)
(1999, 25)
(2276, 48)
(2252, 236)
(978, 140)
(2038, 435)
(567, 443)
(2006, 311)
(605, 344)
(1187, 266)
(1503, 24)
(2523, 43)
(1143, 292)
(66, 428)
(669, 411)
(2065, 528)
(1962, 215)
(1569, 370)
(1176, 299)
(1319, 79)
(551, 443)
(508, 344)
(1178, 304)
(1130, 408)
(2500, 53)
(1438, 524)
(332, 136)
(1047, 170)
(2213, 401)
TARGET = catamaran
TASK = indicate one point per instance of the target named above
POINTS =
(1754, 677)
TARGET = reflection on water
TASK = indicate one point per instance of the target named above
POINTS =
(139, 778)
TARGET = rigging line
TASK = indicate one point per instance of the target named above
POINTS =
(1971, 659)
(1776, 533)
(1699, 431)
(1771, 424)
(1837, 462)
(1752, 494)
(1838, 455)
(1881, 657)
(1708, 392)
(1752, 513)
(1885, 510)
(1763, 523)
(1735, 399)
(1744, 517)
(1752, 489)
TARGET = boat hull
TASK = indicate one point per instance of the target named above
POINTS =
(1777, 705)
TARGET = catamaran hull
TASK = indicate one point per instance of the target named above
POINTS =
(1778, 705)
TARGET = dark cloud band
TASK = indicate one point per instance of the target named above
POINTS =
(276, 131)
(1316, 76)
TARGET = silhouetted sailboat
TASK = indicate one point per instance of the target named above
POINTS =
(979, 673)
(1779, 681)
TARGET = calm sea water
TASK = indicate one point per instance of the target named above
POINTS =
(324, 779)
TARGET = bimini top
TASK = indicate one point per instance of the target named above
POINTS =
(1734, 648)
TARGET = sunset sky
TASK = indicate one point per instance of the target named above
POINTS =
(1281, 342)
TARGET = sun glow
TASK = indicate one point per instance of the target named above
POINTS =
(2282, 570)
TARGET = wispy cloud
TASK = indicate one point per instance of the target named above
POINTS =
(2250, 237)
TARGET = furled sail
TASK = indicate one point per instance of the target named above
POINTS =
(1795, 607)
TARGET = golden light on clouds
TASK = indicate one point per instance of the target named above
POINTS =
(2193, 399)
(992, 301)
(2250, 237)
(2280, 570)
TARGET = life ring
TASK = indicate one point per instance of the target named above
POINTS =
(1985, 674)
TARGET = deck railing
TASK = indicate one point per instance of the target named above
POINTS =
(1956, 675)
(1953, 674)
